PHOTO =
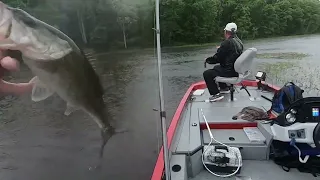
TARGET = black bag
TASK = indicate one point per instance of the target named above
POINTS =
(287, 159)
(311, 166)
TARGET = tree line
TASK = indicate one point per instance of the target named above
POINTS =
(126, 24)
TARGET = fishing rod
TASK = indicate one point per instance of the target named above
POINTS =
(162, 110)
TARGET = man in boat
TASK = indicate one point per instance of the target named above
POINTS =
(228, 52)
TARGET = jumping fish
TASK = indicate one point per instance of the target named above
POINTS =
(58, 64)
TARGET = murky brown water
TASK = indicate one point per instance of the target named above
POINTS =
(38, 142)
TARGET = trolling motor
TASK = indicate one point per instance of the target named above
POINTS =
(221, 158)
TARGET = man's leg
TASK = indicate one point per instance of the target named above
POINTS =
(224, 88)
(209, 76)
(220, 72)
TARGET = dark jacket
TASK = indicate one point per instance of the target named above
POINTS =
(227, 54)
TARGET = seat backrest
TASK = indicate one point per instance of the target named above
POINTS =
(244, 62)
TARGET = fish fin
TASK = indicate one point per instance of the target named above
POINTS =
(39, 91)
(70, 109)
(89, 54)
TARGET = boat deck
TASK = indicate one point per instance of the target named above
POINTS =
(259, 170)
(191, 135)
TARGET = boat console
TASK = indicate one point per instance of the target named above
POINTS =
(299, 122)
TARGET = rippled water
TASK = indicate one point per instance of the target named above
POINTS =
(38, 142)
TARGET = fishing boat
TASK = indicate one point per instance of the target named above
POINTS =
(205, 140)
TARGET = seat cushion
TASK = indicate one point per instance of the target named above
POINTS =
(232, 80)
(229, 80)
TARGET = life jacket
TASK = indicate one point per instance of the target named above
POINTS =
(283, 98)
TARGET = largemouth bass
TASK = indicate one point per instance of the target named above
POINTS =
(58, 64)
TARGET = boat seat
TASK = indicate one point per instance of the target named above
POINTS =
(242, 66)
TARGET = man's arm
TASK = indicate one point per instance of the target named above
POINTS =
(222, 52)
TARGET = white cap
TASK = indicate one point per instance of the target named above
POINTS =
(230, 26)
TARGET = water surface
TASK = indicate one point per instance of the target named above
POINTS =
(38, 142)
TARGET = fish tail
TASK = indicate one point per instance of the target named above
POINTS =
(107, 130)
(106, 134)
